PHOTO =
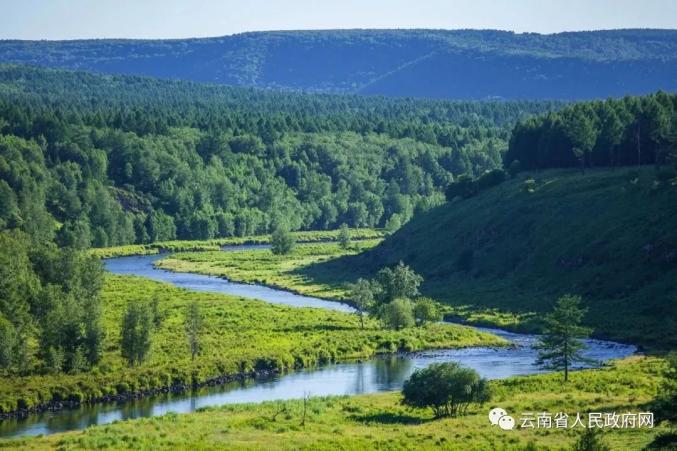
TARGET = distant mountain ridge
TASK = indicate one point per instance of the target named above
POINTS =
(460, 64)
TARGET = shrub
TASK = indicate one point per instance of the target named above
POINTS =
(398, 314)
(490, 178)
(282, 241)
(464, 187)
(425, 310)
(447, 388)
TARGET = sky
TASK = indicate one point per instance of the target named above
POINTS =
(155, 19)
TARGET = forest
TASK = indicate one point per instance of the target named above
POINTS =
(631, 131)
(92, 160)
(452, 64)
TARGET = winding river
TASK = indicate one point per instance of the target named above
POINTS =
(380, 373)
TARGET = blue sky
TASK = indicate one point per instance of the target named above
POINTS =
(74, 19)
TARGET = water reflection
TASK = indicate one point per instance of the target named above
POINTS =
(378, 374)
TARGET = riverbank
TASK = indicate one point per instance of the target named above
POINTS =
(314, 236)
(380, 421)
(240, 336)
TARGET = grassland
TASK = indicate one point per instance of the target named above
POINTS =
(505, 255)
(214, 244)
(263, 267)
(241, 336)
(379, 421)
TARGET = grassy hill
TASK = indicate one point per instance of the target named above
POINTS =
(461, 64)
(609, 236)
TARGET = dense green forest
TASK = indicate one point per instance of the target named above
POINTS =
(623, 132)
(97, 160)
(453, 64)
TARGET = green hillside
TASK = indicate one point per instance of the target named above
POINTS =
(610, 236)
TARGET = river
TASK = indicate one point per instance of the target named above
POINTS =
(380, 373)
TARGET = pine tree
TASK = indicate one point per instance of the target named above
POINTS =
(560, 346)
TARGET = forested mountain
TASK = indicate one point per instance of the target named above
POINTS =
(104, 160)
(609, 236)
(460, 64)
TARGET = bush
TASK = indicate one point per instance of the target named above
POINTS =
(447, 388)
(490, 178)
(464, 187)
(398, 314)
(425, 310)
(282, 241)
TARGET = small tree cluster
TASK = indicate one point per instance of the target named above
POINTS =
(392, 297)
(282, 241)
(136, 331)
(447, 388)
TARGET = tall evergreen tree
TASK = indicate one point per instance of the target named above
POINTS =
(560, 346)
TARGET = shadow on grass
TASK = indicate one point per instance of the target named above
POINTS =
(315, 328)
(390, 418)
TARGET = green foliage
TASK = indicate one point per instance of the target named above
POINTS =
(145, 160)
(560, 345)
(426, 310)
(366, 421)
(362, 295)
(135, 332)
(591, 440)
(397, 282)
(493, 258)
(397, 314)
(282, 241)
(665, 404)
(344, 236)
(193, 324)
(240, 334)
(394, 63)
(50, 305)
(623, 132)
(8, 343)
(447, 388)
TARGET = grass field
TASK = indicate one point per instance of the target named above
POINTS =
(379, 421)
(240, 335)
(215, 244)
(263, 267)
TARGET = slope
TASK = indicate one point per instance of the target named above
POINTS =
(609, 236)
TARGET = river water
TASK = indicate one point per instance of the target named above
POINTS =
(380, 373)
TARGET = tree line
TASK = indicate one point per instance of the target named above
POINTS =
(622, 132)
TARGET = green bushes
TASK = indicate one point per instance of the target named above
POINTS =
(447, 388)
(465, 186)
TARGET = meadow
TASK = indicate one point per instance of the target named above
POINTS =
(380, 421)
(240, 337)
(261, 266)
(313, 236)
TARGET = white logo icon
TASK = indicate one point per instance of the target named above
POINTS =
(495, 414)
(500, 417)
(506, 422)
